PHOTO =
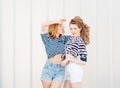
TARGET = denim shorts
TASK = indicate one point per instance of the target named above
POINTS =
(52, 71)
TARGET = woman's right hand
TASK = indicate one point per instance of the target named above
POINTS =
(46, 24)
(61, 21)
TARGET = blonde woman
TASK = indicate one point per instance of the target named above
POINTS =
(74, 48)
(54, 41)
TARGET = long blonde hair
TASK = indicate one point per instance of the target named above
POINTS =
(53, 30)
(84, 33)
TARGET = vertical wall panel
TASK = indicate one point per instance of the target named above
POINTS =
(39, 15)
(55, 9)
(7, 19)
(22, 44)
(72, 8)
(110, 27)
(103, 44)
(116, 43)
(0, 44)
(88, 14)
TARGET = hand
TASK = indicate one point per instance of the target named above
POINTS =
(63, 63)
(61, 21)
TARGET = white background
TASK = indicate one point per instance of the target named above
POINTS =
(22, 53)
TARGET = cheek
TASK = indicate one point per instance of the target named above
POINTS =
(71, 31)
(77, 31)
(61, 31)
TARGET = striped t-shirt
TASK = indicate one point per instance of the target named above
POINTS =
(76, 47)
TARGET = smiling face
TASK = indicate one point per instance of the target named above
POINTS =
(75, 31)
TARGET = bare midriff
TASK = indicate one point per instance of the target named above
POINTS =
(57, 58)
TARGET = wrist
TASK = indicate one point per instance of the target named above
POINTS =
(72, 60)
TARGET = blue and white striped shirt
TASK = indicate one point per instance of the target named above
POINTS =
(76, 47)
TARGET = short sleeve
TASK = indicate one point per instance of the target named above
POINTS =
(63, 56)
(44, 37)
(67, 37)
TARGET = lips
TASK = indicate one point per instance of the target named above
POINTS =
(73, 34)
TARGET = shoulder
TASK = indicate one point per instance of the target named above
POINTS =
(80, 41)
(66, 37)
(45, 34)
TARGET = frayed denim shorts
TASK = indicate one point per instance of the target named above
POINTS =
(52, 71)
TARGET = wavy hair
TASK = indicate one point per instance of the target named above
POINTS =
(52, 30)
(84, 33)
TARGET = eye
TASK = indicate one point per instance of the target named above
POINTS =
(75, 28)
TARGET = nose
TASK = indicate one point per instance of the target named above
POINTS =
(73, 32)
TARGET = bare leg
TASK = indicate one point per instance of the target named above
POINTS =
(46, 83)
(67, 84)
(56, 84)
(76, 85)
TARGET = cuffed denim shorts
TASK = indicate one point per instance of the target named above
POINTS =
(52, 71)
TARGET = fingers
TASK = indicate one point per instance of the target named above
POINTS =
(62, 64)
(61, 21)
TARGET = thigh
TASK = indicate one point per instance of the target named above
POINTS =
(75, 73)
(47, 72)
(46, 83)
(76, 85)
(67, 84)
(59, 74)
(56, 84)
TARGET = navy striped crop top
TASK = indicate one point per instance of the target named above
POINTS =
(76, 47)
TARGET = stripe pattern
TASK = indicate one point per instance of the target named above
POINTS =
(76, 47)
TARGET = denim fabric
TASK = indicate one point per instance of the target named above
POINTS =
(54, 46)
(52, 71)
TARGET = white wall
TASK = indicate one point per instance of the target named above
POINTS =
(116, 43)
(0, 61)
(22, 53)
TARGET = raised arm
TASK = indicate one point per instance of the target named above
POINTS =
(46, 24)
